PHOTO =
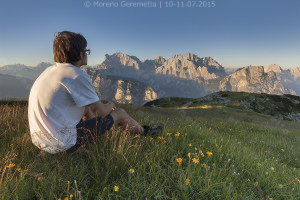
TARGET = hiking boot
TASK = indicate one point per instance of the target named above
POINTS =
(152, 131)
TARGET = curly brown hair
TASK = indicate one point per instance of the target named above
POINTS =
(67, 47)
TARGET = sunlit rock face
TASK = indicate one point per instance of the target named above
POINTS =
(290, 77)
(121, 90)
(253, 79)
(191, 67)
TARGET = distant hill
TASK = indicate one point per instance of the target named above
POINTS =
(282, 106)
(12, 87)
(24, 71)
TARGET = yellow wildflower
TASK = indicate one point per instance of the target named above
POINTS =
(189, 155)
(282, 150)
(165, 141)
(177, 134)
(71, 195)
(214, 174)
(196, 149)
(67, 198)
(272, 169)
(221, 139)
(169, 134)
(151, 138)
(187, 181)
(202, 154)
(11, 165)
(19, 170)
(280, 186)
(179, 160)
(116, 188)
(190, 145)
(209, 153)
(185, 134)
(131, 171)
(40, 178)
(195, 160)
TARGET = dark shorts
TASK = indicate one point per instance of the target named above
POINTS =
(89, 129)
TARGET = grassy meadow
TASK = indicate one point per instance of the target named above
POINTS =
(204, 153)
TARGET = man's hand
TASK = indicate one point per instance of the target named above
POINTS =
(111, 106)
(101, 109)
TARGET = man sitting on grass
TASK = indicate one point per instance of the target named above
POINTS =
(63, 94)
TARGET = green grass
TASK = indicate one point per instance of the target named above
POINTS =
(253, 156)
(275, 105)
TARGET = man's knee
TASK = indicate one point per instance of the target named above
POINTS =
(119, 111)
(118, 114)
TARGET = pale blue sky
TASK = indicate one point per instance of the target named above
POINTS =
(236, 33)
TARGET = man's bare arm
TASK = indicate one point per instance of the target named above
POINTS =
(88, 114)
(102, 109)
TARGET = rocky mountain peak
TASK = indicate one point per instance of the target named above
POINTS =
(253, 71)
(191, 57)
(254, 79)
(188, 56)
(210, 62)
(273, 67)
(106, 57)
(120, 61)
(295, 72)
(190, 66)
(159, 59)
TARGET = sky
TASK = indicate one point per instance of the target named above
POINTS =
(236, 33)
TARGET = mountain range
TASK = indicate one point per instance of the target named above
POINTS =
(127, 79)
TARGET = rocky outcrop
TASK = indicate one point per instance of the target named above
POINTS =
(295, 73)
(253, 79)
(150, 66)
(273, 67)
(290, 78)
(188, 66)
(120, 61)
(191, 67)
(120, 89)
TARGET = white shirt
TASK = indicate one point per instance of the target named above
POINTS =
(56, 105)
